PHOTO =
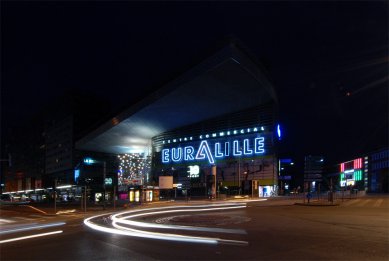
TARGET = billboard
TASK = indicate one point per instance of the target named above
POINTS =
(165, 182)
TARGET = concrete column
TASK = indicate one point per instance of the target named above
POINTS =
(213, 172)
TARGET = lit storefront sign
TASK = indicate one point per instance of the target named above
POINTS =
(108, 181)
(210, 150)
(89, 161)
(351, 172)
(194, 171)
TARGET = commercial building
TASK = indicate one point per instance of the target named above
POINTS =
(213, 129)
(366, 173)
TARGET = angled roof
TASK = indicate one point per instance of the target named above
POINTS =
(226, 82)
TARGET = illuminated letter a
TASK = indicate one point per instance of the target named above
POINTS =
(205, 151)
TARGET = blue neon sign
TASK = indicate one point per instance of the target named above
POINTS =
(89, 161)
(213, 149)
(279, 131)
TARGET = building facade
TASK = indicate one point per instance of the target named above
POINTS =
(211, 130)
(313, 172)
(378, 171)
(240, 148)
(368, 173)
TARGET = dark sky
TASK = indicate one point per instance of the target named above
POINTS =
(315, 52)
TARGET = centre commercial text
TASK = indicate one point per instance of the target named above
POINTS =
(205, 151)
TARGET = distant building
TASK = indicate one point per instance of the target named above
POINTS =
(313, 171)
(353, 174)
(285, 173)
(369, 172)
(378, 171)
(43, 150)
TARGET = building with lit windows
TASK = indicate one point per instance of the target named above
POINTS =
(213, 129)
(285, 176)
(369, 173)
(313, 172)
(378, 171)
(353, 174)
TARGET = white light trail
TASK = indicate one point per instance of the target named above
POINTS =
(152, 225)
(26, 228)
(32, 236)
(124, 219)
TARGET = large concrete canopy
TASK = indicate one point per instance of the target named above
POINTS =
(226, 82)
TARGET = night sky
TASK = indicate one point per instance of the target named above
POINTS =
(327, 61)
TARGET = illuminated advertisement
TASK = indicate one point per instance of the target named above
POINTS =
(351, 172)
(211, 148)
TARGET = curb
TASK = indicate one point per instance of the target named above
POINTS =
(316, 205)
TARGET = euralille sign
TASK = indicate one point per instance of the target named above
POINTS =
(210, 150)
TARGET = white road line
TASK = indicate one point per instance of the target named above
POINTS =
(378, 203)
(364, 202)
(351, 202)
(23, 218)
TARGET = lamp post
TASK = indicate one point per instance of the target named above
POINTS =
(104, 175)
(55, 196)
(239, 174)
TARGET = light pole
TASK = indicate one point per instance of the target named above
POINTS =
(104, 174)
(239, 174)
(55, 196)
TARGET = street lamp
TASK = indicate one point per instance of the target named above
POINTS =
(239, 174)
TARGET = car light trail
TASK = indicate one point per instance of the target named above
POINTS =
(176, 237)
(32, 236)
(124, 218)
(31, 227)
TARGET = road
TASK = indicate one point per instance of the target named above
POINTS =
(275, 229)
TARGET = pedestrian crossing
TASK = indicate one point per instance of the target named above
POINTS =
(366, 202)
(378, 202)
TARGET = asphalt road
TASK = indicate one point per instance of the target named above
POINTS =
(276, 229)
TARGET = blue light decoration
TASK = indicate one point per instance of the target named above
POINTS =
(76, 174)
(209, 150)
(279, 131)
(89, 161)
(285, 160)
(217, 134)
(108, 181)
(205, 151)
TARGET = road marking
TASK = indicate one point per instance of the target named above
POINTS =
(24, 218)
(351, 202)
(378, 203)
(74, 225)
(364, 202)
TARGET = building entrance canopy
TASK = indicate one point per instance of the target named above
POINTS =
(228, 81)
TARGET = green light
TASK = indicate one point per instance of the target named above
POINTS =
(358, 175)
